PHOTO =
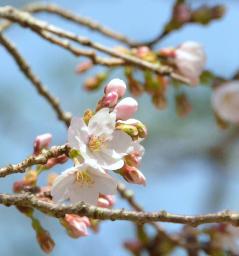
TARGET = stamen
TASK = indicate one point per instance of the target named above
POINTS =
(95, 143)
(84, 178)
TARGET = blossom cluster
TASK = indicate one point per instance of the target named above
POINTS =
(102, 141)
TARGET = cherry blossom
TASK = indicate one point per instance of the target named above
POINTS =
(190, 59)
(83, 183)
(225, 101)
(99, 141)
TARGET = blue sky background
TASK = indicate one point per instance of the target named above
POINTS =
(180, 176)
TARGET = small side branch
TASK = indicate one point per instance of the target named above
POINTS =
(86, 22)
(34, 160)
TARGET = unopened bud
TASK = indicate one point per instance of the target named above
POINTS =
(45, 241)
(131, 130)
(183, 106)
(18, 186)
(83, 67)
(116, 85)
(54, 161)
(182, 13)
(142, 51)
(126, 108)
(42, 141)
(167, 53)
(75, 225)
(95, 82)
(133, 246)
(87, 115)
(106, 201)
(159, 101)
(132, 175)
(25, 210)
(109, 100)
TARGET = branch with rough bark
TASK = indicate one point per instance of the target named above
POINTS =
(97, 213)
(83, 209)
(26, 20)
(77, 19)
(34, 160)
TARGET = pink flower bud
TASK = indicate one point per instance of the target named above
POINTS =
(54, 161)
(75, 225)
(142, 51)
(116, 85)
(126, 108)
(83, 67)
(190, 60)
(134, 246)
(182, 13)
(133, 175)
(102, 202)
(42, 141)
(106, 201)
(110, 99)
(225, 101)
(18, 186)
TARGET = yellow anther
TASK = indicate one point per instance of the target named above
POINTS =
(95, 143)
(84, 178)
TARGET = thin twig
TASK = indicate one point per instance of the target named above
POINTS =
(83, 209)
(91, 54)
(25, 68)
(25, 19)
(93, 25)
(86, 22)
(34, 160)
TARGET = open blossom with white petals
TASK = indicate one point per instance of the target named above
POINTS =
(83, 183)
(225, 101)
(190, 59)
(99, 142)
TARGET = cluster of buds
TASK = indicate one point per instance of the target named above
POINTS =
(184, 14)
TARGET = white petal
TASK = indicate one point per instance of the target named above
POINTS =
(77, 132)
(120, 142)
(104, 182)
(108, 159)
(60, 187)
(136, 147)
(102, 123)
(83, 193)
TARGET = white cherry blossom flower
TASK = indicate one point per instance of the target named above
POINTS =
(190, 59)
(83, 183)
(99, 142)
(225, 101)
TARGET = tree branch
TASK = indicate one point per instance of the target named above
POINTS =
(25, 19)
(25, 68)
(33, 160)
(93, 25)
(83, 209)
